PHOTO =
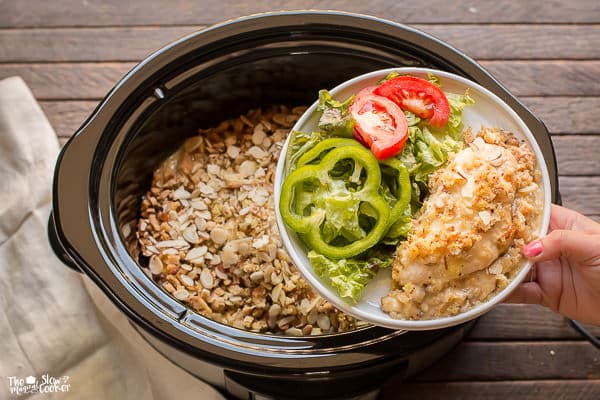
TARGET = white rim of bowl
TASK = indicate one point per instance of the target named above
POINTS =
(388, 321)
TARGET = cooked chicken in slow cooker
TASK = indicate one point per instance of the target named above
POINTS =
(465, 244)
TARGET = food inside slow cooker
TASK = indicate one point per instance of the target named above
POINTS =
(208, 228)
(465, 244)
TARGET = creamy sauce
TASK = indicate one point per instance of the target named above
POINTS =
(465, 244)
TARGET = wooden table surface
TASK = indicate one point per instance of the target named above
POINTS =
(71, 52)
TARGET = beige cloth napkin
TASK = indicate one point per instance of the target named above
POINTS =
(49, 324)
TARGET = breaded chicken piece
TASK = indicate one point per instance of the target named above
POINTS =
(465, 225)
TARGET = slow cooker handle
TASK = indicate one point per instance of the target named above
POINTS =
(57, 247)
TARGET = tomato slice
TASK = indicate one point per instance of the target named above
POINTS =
(378, 123)
(418, 96)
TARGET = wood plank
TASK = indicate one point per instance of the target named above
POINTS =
(562, 115)
(135, 43)
(68, 81)
(547, 78)
(521, 41)
(497, 361)
(67, 116)
(511, 390)
(577, 155)
(581, 193)
(523, 78)
(523, 321)
(38, 13)
(566, 115)
(86, 44)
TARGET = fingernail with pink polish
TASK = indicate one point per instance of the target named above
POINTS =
(533, 249)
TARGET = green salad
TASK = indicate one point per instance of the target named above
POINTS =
(353, 186)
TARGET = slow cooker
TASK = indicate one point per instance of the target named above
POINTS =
(197, 81)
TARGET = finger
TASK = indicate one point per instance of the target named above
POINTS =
(565, 218)
(527, 293)
(576, 245)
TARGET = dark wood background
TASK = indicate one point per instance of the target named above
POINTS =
(71, 52)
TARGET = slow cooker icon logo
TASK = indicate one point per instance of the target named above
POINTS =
(30, 380)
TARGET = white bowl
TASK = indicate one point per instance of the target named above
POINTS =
(490, 111)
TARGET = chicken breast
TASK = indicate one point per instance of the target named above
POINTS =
(458, 250)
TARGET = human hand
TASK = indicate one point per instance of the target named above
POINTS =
(567, 268)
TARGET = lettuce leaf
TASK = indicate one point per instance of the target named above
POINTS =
(348, 276)
(335, 118)
(411, 118)
(300, 143)
(391, 75)
(431, 151)
(457, 104)
(394, 74)
(327, 101)
(434, 79)
(400, 229)
(342, 210)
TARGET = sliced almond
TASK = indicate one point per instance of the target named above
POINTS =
(181, 294)
(190, 235)
(206, 278)
(485, 216)
(155, 265)
(258, 134)
(186, 280)
(196, 252)
(181, 193)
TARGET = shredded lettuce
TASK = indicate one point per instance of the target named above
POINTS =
(342, 211)
(391, 75)
(400, 229)
(394, 74)
(434, 79)
(300, 143)
(411, 118)
(348, 276)
(335, 118)
(327, 101)
(457, 104)
(430, 151)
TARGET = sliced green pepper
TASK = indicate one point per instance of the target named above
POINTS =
(323, 146)
(403, 195)
(312, 196)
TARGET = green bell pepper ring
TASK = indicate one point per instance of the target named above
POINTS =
(403, 193)
(403, 181)
(323, 146)
(295, 220)
(313, 186)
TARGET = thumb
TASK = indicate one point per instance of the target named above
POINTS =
(578, 246)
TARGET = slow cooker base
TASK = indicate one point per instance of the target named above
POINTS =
(360, 382)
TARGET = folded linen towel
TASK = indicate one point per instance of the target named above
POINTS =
(53, 337)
